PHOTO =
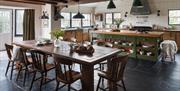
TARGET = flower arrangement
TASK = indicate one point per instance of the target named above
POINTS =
(118, 21)
(57, 33)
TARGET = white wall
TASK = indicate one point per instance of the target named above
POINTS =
(125, 6)
(74, 9)
(15, 5)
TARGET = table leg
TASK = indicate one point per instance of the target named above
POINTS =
(87, 77)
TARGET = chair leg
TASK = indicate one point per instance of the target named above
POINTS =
(20, 69)
(7, 68)
(34, 75)
(69, 87)
(57, 86)
(45, 76)
(25, 73)
(42, 78)
(12, 68)
(123, 85)
(98, 84)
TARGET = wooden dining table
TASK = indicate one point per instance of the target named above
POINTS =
(87, 61)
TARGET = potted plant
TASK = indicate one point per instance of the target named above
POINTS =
(118, 21)
(58, 34)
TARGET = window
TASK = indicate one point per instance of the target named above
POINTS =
(69, 22)
(19, 22)
(117, 15)
(76, 22)
(87, 20)
(66, 21)
(174, 17)
(111, 16)
(5, 21)
(108, 18)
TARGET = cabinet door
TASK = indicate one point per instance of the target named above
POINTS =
(178, 39)
(68, 35)
(169, 36)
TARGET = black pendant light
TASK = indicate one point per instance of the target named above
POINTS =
(137, 3)
(44, 16)
(58, 16)
(78, 15)
(111, 5)
(57, 13)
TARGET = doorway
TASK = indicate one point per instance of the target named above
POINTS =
(6, 27)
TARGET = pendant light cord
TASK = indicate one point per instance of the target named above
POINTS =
(78, 5)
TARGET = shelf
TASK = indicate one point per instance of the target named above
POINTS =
(124, 46)
(149, 49)
(145, 57)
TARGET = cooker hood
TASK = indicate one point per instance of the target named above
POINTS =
(141, 10)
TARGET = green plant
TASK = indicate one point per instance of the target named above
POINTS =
(57, 33)
(118, 21)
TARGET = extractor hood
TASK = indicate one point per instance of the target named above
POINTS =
(141, 10)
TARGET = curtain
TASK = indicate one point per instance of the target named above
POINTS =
(29, 24)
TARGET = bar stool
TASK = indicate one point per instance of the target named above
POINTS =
(168, 50)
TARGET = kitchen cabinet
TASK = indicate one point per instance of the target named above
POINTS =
(172, 35)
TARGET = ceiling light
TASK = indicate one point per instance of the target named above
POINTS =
(45, 15)
(78, 15)
(58, 16)
(137, 3)
(111, 5)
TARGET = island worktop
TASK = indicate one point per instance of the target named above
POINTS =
(132, 33)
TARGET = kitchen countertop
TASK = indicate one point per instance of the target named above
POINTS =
(167, 30)
(131, 33)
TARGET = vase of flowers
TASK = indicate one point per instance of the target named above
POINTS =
(58, 34)
(118, 21)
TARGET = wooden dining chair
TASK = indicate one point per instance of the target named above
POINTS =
(114, 72)
(11, 63)
(26, 64)
(41, 65)
(102, 64)
(64, 73)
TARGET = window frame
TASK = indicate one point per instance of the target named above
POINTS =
(112, 13)
(71, 18)
(15, 26)
(169, 17)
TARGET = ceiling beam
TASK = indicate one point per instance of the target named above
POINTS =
(42, 2)
(29, 2)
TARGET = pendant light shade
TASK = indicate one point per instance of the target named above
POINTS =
(58, 16)
(111, 5)
(44, 16)
(78, 15)
(137, 3)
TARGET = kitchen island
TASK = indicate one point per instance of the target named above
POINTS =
(143, 46)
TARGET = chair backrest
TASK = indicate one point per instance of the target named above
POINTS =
(63, 69)
(9, 49)
(39, 59)
(117, 67)
(23, 52)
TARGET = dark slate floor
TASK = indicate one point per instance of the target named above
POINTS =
(139, 76)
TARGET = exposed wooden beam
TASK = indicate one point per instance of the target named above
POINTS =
(29, 2)
(34, 1)
(42, 2)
